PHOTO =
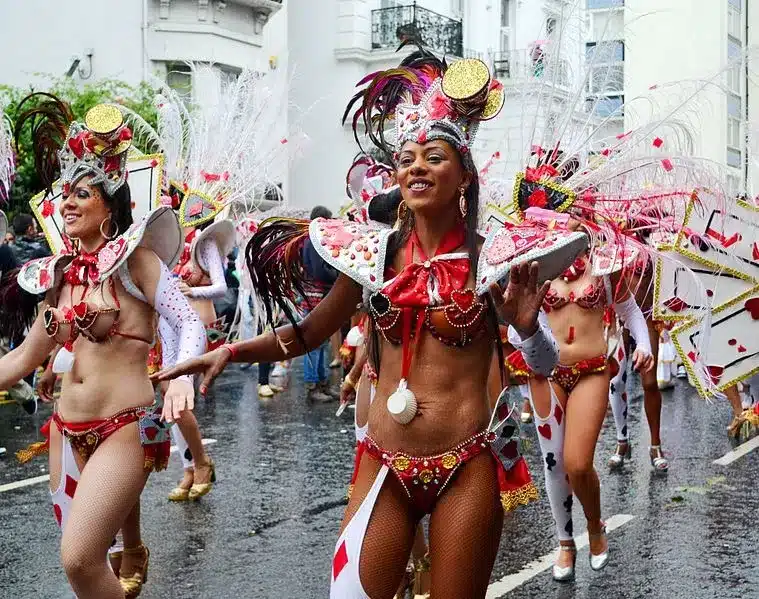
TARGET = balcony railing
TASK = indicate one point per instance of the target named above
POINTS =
(391, 26)
(530, 65)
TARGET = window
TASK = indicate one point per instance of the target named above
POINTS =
(592, 4)
(734, 106)
(734, 133)
(734, 158)
(179, 78)
(734, 22)
(605, 106)
(611, 51)
(735, 76)
(505, 13)
(606, 66)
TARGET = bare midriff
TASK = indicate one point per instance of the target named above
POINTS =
(110, 376)
(580, 332)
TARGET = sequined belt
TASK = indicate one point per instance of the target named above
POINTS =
(425, 478)
(567, 377)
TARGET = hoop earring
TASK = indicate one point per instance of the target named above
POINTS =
(462, 202)
(115, 233)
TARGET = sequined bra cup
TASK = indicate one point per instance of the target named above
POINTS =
(593, 297)
(430, 294)
(93, 321)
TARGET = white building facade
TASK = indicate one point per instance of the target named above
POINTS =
(665, 42)
(130, 40)
(332, 44)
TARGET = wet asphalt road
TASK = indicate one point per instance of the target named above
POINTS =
(268, 528)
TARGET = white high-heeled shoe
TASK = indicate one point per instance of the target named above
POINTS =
(598, 562)
(565, 573)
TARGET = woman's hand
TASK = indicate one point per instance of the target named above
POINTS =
(520, 303)
(642, 361)
(46, 385)
(179, 397)
(185, 289)
(209, 365)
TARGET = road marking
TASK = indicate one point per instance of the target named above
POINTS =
(24, 483)
(510, 582)
(19, 484)
(738, 452)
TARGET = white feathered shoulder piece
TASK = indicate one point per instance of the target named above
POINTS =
(7, 162)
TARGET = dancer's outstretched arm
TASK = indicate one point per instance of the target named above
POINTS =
(326, 318)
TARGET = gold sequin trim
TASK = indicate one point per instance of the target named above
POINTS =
(511, 500)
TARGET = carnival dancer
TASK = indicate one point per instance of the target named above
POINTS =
(221, 159)
(101, 296)
(434, 321)
(642, 284)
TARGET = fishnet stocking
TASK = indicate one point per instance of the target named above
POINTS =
(465, 531)
(109, 487)
(389, 536)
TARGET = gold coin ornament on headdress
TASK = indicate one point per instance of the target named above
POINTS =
(105, 122)
(471, 89)
(466, 79)
(103, 119)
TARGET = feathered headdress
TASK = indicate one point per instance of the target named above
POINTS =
(96, 147)
(225, 150)
(426, 99)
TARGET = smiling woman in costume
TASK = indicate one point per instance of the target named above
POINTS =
(101, 296)
(427, 286)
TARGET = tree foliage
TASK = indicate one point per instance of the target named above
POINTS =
(81, 98)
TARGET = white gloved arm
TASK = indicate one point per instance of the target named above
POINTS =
(180, 327)
(632, 318)
(540, 350)
(210, 260)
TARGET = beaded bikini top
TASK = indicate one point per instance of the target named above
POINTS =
(431, 294)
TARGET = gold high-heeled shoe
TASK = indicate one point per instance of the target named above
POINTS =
(180, 493)
(197, 490)
(132, 585)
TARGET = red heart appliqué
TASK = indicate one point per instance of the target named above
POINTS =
(80, 310)
(732, 342)
(741, 349)
(755, 251)
(545, 430)
(463, 298)
(752, 307)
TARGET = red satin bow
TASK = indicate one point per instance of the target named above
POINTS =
(83, 269)
(409, 288)
(544, 171)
